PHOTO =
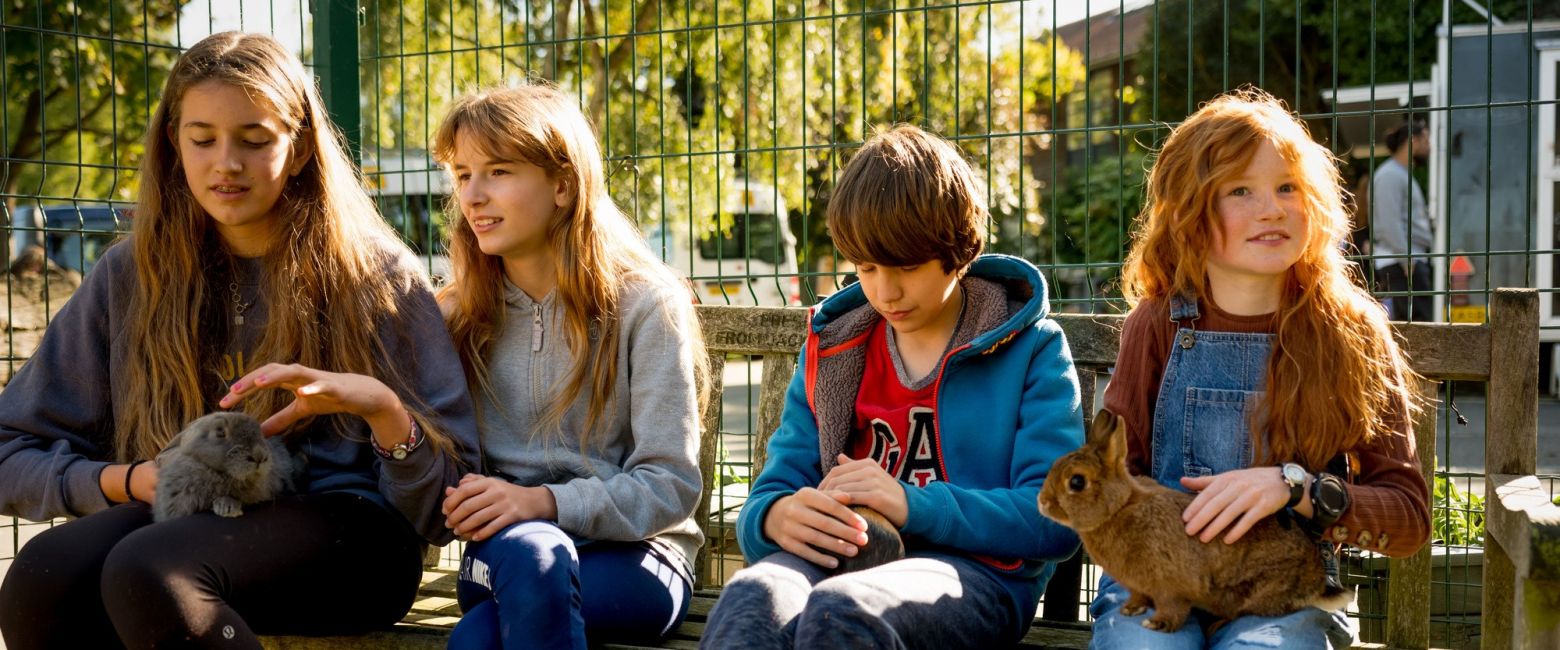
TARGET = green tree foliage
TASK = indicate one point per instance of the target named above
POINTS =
(691, 97)
(80, 81)
(1295, 49)
(1098, 203)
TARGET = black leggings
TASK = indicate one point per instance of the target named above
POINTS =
(311, 565)
(1396, 278)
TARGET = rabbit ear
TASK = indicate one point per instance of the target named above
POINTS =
(1115, 444)
(1102, 427)
(1108, 434)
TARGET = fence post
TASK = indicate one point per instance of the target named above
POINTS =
(1510, 444)
(336, 64)
(1408, 579)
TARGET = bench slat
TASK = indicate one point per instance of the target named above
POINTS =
(753, 330)
(1092, 338)
(1440, 350)
(1447, 350)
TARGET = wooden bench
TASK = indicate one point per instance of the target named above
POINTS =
(1522, 556)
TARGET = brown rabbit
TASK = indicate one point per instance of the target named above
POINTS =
(1131, 527)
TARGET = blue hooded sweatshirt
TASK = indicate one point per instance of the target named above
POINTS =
(1007, 404)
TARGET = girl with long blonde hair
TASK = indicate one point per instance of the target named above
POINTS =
(586, 362)
(1253, 368)
(258, 277)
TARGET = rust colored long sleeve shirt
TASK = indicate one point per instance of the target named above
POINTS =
(1389, 511)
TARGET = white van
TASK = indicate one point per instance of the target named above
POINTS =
(411, 191)
(744, 255)
(72, 235)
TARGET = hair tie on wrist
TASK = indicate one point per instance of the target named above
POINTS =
(130, 473)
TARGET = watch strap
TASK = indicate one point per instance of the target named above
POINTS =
(1329, 500)
(399, 451)
(1296, 490)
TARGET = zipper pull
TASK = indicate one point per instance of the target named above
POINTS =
(536, 328)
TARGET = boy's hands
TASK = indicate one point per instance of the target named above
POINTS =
(821, 518)
(864, 483)
(809, 520)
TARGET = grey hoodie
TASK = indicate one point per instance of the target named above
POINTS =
(1401, 220)
(639, 477)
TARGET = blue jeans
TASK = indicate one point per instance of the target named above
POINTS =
(1307, 629)
(533, 586)
(784, 602)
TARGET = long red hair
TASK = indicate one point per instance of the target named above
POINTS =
(1336, 378)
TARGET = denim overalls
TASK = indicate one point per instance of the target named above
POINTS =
(1212, 383)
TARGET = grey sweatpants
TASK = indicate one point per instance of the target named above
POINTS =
(785, 602)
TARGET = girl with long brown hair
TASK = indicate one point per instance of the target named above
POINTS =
(258, 277)
(585, 360)
(1253, 369)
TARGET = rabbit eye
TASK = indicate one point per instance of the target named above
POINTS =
(1077, 483)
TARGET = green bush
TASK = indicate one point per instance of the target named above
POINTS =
(1456, 517)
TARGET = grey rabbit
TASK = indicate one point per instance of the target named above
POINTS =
(884, 544)
(221, 462)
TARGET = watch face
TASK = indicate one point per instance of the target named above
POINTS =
(398, 453)
(1330, 495)
(1294, 474)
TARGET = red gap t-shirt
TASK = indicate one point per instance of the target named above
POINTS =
(895, 426)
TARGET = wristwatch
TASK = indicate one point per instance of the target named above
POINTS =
(400, 450)
(1329, 500)
(1294, 476)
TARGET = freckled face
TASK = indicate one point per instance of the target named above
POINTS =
(1261, 229)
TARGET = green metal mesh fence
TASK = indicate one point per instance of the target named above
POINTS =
(724, 125)
(79, 81)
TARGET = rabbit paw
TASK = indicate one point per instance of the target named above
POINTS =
(227, 507)
(1136, 604)
(1160, 622)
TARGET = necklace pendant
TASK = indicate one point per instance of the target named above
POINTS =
(238, 319)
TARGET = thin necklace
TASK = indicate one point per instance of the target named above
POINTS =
(238, 304)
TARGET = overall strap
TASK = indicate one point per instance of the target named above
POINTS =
(1183, 312)
(1183, 308)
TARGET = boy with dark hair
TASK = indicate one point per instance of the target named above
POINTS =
(936, 392)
